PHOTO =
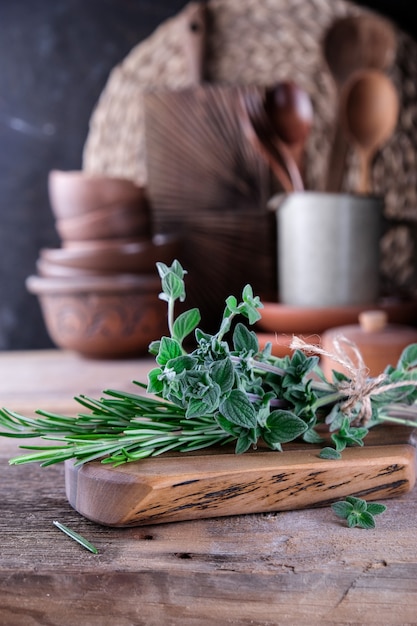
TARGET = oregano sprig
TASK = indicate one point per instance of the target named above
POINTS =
(358, 512)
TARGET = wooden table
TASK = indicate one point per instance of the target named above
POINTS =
(301, 567)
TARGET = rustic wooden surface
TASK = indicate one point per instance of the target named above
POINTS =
(300, 567)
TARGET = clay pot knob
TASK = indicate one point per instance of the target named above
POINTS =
(373, 321)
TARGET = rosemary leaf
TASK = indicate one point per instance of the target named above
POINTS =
(77, 537)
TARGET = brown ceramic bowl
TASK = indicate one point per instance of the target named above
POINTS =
(104, 245)
(53, 270)
(105, 223)
(101, 316)
(139, 257)
(77, 192)
(280, 318)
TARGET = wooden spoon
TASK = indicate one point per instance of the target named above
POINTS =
(290, 111)
(369, 107)
(352, 43)
(357, 42)
(258, 129)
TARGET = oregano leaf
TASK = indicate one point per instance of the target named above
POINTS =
(329, 453)
(244, 442)
(168, 349)
(223, 374)
(245, 340)
(238, 409)
(366, 520)
(408, 357)
(228, 427)
(283, 426)
(204, 405)
(352, 519)
(185, 323)
(342, 509)
(374, 508)
(173, 286)
(155, 385)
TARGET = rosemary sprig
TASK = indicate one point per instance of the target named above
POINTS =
(219, 392)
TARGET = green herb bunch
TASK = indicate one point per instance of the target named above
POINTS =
(222, 390)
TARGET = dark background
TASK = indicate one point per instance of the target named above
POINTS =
(55, 58)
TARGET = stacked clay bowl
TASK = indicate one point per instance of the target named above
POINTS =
(99, 290)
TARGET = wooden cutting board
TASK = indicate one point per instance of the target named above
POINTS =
(215, 482)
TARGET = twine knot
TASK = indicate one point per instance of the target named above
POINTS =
(359, 388)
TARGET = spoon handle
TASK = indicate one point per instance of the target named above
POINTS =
(278, 170)
(364, 179)
(337, 161)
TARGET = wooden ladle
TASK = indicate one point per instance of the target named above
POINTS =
(353, 43)
(369, 115)
(290, 112)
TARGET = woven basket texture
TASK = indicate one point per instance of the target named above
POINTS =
(260, 42)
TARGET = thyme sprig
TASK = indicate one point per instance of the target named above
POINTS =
(220, 391)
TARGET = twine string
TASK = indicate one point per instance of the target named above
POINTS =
(360, 388)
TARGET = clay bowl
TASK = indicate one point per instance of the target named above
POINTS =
(77, 192)
(139, 257)
(280, 318)
(106, 223)
(100, 316)
(53, 270)
(104, 245)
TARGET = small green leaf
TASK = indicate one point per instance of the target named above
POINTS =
(342, 509)
(205, 404)
(228, 427)
(181, 363)
(408, 358)
(154, 347)
(374, 508)
(155, 385)
(185, 324)
(329, 453)
(162, 268)
(283, 426)
(245, 340)
(173, 286)
(339, 441)
(238, 409)
(231, 304)
(352, 519)
(366, 520)
(244, 442)
(252, 303)
(223, 373)
(311, 436)
(168, 349)
(359, 505)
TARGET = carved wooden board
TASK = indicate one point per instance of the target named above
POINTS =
(216, 483)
